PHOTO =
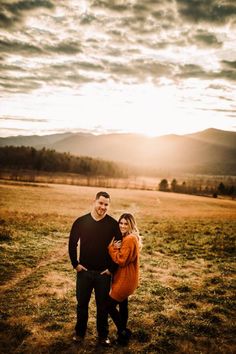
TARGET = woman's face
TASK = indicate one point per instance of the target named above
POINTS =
(124, 226)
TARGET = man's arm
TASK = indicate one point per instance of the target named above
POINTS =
(73, 242)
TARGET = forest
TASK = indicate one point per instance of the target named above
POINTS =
(24, 157)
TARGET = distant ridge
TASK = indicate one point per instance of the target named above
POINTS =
(216, 136)
(210, 151)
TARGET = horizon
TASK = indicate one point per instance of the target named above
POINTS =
(154, 68)
(118, 133)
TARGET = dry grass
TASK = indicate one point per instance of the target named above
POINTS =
(186, 299)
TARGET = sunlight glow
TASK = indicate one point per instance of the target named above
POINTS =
(144, 109)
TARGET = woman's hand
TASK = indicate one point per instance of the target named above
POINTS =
(117, 244)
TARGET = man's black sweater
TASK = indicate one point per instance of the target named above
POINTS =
(94, 237)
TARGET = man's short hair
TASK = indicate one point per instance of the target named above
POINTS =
(102, 194)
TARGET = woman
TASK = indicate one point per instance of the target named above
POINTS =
(126, 278)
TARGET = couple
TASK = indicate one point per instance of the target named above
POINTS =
(109, 264)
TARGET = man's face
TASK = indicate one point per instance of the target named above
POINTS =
(101, 206)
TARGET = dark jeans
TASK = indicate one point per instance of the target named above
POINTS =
(119, 317)
(86, 282)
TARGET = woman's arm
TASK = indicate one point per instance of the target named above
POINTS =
(126, 254)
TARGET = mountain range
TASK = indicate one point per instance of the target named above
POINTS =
(210, 151)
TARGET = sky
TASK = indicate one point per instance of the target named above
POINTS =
(153, 67)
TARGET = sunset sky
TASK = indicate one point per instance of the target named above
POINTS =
(146, 66)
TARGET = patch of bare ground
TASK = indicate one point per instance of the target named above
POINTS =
(54, 283)
(57, 253)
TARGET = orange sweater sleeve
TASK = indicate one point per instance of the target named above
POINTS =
(126, 254)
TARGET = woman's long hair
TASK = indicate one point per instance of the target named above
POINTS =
(132, 226)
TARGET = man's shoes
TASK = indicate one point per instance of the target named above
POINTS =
(123, 342)
(123, 337)
(125, 333)
(104, 342)
(128, 333)
(78, 339)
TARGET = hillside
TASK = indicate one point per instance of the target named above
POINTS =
(210, 151)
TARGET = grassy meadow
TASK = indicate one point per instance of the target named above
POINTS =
(186, 299)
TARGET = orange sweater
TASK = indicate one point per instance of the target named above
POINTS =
(126, 278)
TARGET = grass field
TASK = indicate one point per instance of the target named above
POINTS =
(186, 299)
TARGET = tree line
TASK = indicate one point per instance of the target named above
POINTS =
(196, 188)
(25, 157)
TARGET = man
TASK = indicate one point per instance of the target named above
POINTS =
(95, 231)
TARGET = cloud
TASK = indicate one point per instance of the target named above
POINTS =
(62, 44)
(226, 98)
(206, 39)
(211, 11)
(140, 69)
(112, 5)
(27, 49)
(65, 47)
(10, 67)
(87, 19)
(227, 72)
(19, 47)
(192, 71)
(219, 110)
(229, 64)
(6, 131)
(29, 83)
(12, 13)
(18, 85)
(23, 119)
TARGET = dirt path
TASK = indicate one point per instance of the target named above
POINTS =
(57, 253)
